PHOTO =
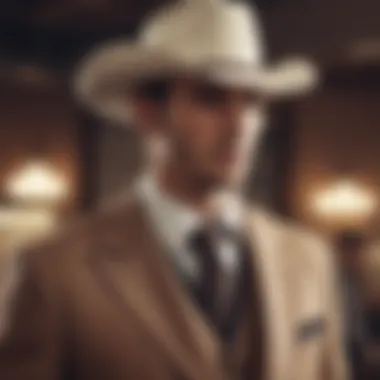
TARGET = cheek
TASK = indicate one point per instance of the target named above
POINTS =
(195, 128)
(206, 128)
(253, 124)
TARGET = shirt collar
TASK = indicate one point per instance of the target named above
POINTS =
(175, 221)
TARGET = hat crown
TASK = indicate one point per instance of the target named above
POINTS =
(218, 39)
(208, 30)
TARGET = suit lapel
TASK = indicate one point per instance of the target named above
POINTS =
(132, 268)
(267, 256)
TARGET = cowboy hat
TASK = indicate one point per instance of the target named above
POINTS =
(218, 39)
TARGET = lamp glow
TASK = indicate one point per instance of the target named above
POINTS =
(345, 200)
(38, 181)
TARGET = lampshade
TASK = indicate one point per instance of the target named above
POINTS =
(345, 201)
(37, 181)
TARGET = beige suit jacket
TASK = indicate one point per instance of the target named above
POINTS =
(100, 302)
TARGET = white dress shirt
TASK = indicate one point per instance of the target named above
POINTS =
(174, 223)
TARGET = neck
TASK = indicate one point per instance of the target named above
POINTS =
(183, 187)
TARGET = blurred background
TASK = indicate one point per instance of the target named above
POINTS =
(319, 163)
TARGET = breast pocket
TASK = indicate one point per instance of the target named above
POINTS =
(308, 330)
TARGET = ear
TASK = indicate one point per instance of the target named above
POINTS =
(147, 115)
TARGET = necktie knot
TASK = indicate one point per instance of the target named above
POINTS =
(201, 241)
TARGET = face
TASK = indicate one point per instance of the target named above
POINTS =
(211, 131)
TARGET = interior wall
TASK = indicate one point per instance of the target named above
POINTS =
(119, 161)
(321, 27)
(337, 134)
(39, 122)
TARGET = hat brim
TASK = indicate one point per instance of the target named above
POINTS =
(104, 79)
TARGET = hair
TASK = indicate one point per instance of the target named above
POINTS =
(155, 90)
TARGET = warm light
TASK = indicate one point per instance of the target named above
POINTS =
(21, 227)
(38, 182)
(365, 50)
(25, 219)
(347, 201)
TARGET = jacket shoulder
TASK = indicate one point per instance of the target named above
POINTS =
(298, 242)
(50, 263)
(75, 238)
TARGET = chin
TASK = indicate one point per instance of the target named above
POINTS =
(228, 179)
(219, 177)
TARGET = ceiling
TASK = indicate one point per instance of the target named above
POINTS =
(73, 14)
(86, 15)
(40, 37)
(54, 33)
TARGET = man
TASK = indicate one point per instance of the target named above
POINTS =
(181, 279)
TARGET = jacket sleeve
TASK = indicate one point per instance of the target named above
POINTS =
(28, 324)
(334, 361)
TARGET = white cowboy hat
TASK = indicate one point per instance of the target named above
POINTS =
(218, 39)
